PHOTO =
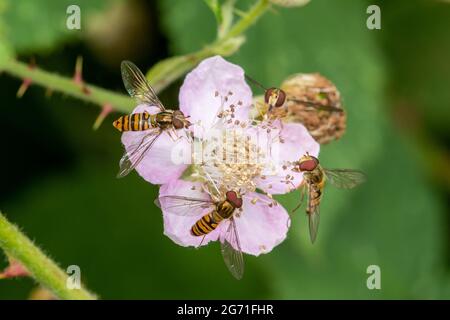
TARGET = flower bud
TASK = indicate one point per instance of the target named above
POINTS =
(315, 102)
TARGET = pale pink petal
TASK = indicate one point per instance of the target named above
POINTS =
(178, 228)
(162, 163)
(213, 86)
(260, 227)
(297, 141)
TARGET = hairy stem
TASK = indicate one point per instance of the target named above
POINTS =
(42, 268)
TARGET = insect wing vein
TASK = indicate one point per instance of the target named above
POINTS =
(231, 251)
(345, 178)
(183, 206)
(131, 159)
(138, 86)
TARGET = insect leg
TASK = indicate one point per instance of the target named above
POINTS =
(173, 134)
(302, 197)
(201, 242)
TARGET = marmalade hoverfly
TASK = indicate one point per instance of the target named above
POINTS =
(220, 210)
(165, 120)
(276, 98)
(314, 178)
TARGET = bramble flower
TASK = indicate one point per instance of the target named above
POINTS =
(230, 151)
(203, 95)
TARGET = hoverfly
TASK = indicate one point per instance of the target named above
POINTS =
(155, 124)
(276, 98)
(314, 178)
(221, 209)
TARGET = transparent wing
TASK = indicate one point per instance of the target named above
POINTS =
(183, 206)
(231, 251)
(131, 159)
(316, 106)
(345, 178)
(313, 221)
(137, 85)
(313, 212)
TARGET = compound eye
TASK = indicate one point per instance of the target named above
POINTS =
(234, 199)
(281, 98)
(177, 123)
(308, 165)
(268, 94)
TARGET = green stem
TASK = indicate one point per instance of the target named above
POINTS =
(68, 86)
(249, 18)
(167, 71)
(42, 268)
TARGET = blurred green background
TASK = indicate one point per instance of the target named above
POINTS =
(58, 175)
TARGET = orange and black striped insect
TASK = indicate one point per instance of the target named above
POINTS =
(221, 210)
(165, 120)
(314, 179)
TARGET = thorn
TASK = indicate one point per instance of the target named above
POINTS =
(23, 87)
(15, 269)
(78, 76)
(26, 81)
(106, 109)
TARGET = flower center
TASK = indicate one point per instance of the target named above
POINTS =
(232, 159)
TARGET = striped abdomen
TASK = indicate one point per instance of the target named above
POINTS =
(210, 221)
(135, 122)
(316, 182)
(315, 196)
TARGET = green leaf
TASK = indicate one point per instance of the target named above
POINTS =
(41, 25)
(6, 51)
(418, 49)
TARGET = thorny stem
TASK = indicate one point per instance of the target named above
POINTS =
(42, 268)
(68, 86)
(161, 75)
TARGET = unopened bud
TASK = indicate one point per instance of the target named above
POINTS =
(315, 102)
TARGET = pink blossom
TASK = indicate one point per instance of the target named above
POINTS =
(294, 142)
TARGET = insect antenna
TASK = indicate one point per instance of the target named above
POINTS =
(255, 82)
